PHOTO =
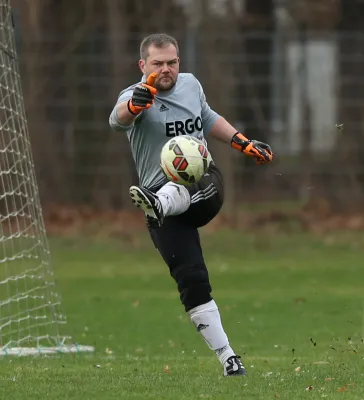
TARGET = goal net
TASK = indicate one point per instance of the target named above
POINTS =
(31, 316)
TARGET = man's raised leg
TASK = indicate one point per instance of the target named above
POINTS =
(171, 199)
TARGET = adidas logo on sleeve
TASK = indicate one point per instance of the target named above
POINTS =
(163, 108)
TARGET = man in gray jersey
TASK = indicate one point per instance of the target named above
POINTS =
(165, 104)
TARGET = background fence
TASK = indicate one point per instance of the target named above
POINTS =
(284, 71)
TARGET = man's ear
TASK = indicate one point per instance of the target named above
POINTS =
(142, 65)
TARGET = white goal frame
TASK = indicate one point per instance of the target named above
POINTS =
(31, 316)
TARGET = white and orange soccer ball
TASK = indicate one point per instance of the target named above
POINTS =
(185, 159)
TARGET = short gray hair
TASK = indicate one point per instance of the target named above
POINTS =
(158, 40)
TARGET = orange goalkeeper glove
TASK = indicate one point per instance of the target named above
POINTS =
(143, 95)
(260, 151)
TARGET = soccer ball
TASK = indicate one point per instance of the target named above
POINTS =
(185, 159)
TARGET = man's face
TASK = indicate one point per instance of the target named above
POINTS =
(165, 62)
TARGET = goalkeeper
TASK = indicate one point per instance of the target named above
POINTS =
(166, 103)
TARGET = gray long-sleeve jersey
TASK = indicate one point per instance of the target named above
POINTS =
(181, 111)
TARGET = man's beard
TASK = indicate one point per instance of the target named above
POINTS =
(165, 86)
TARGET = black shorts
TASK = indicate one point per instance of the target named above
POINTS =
(207, 198)
(178, 240)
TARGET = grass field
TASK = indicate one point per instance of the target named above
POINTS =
(293, 307)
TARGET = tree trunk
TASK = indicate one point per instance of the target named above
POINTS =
(112, 190)
(35, 55)
(350, 150)
(254, 87)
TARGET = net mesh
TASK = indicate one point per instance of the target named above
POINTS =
(31, 315)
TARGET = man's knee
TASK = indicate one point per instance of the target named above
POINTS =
(193, 284)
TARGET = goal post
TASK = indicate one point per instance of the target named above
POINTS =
(31, 316)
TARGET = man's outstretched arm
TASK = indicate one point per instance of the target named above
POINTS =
(141, 98)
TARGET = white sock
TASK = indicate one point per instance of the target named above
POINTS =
(206, 319)
(224, 353)
(175, 199)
